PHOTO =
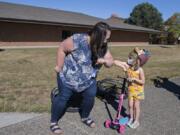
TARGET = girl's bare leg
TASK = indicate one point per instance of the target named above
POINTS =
(131, 106)
(130, 102)
(135, 124)
(137, 110)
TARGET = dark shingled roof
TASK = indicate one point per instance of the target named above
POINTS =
(30, 14)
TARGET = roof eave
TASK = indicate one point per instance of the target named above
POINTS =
(70, 25)
(147, 31)
(45, 23)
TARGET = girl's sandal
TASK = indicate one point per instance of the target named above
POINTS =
(89, 122)
(56, 129)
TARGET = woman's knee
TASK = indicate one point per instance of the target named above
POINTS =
(63, 96)
(91, 91)
(90, 95)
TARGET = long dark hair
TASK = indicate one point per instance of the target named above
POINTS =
(97, 37)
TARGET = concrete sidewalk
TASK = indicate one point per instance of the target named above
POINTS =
(160, 115)
(7, 119)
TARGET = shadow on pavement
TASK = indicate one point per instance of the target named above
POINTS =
(109, 91)
(165, 83)
(114, 104)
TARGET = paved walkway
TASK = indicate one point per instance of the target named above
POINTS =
(7, 119)
(160, 116)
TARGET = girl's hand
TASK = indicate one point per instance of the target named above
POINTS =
(57, 69)
(131, 79)
(121, 64)
(125, 66)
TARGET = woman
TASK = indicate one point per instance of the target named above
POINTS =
(78, 60)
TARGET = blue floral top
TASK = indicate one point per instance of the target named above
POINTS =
(77, 72)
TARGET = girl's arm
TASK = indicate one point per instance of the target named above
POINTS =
(107, 60)
(121, 64)
(65, 47)
(141, 79)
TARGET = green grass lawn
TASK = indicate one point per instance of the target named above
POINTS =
(27, 75)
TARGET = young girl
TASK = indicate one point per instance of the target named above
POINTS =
(136, 80)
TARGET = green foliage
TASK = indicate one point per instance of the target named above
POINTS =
(146, 15)
(173, 20)
(173, 28)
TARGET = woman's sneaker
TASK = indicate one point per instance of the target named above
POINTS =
(134, 125)
(130, 122)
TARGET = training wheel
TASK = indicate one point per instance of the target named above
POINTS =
(122, 129)
(107, 123)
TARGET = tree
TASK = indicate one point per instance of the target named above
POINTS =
(173, 27)
(146, 15)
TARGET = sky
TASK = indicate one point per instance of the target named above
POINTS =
(103, 8)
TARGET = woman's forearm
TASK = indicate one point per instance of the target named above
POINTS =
(108, 62)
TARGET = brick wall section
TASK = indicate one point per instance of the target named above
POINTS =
(35, 34)
(129, 36)
(20, 32)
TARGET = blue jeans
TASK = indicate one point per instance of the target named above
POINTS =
(59, 104)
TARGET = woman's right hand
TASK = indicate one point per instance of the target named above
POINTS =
(57, 69)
